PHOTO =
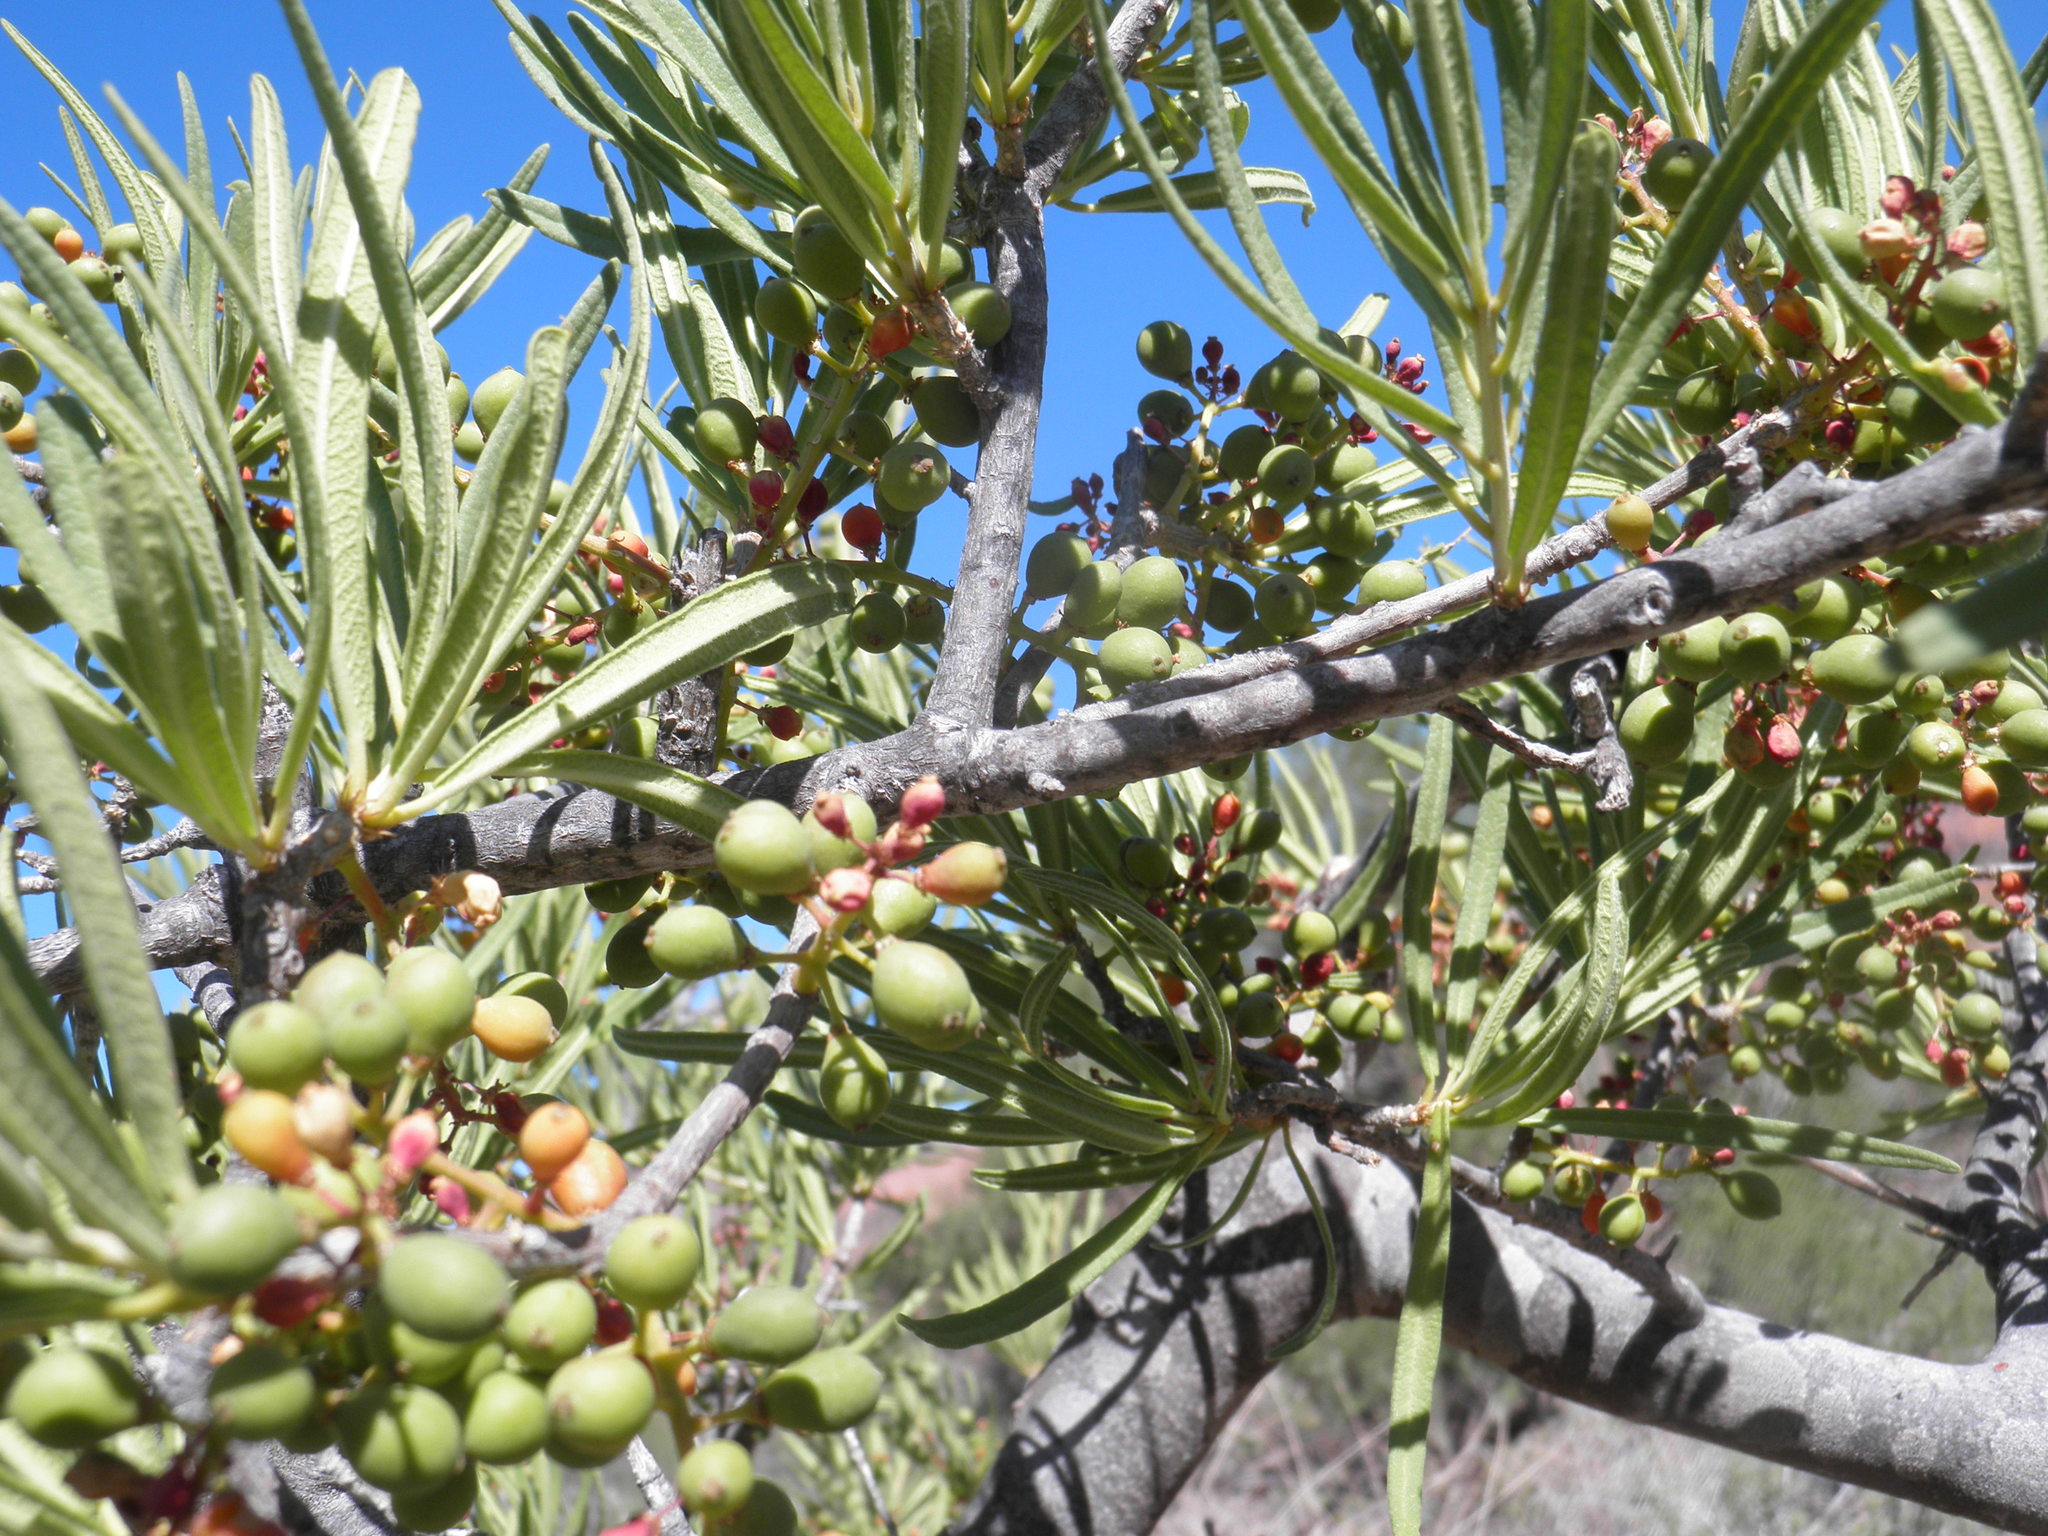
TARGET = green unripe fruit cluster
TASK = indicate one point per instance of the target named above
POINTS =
(551, 1321)
(276, 1045)
(400, 1437)
(913, 475)
(261, 1393)
(431, 989)
(68, 1397)
(1133, 656)
(1657, 726)
(1675, 170)
(1856, 669)
(1756, 648)
(726, 431)
(715, 1477)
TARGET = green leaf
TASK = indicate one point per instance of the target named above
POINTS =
(2007, 146)
(1203, 190)
(942, 87)
(709, 632)
(1112, 1172)
(1064, 1279)
(1326, 1294)
(1453, 95)
(145, 1069)
(1475, 904)
(1560, 107)
(1038, 998)
(675, 796)
(1425, 845)
(1569, 345)
(36, 1297)
(1716, 205)
(1418, 1338)
(2006, 608)
(1745, 1133)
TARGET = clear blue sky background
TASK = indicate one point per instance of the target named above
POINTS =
(1110, 273)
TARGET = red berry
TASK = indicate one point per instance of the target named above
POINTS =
(774, 435)
(784, 723)
(862, 526)
(765, 490)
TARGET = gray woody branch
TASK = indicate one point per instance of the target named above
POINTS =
(1165, 1347)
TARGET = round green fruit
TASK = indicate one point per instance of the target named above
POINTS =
(696, 942)
(1856, 669)
(1675, 170)
(1243, 451)
(1827, 609)
(1977, 1016)
(1289, 386)
(726, 431)
(763, 848)
(446, 1288)
(20, 370)
(276, 1045)
(1918, 416)
(432, 990)
(1657, 726)
(1287, 474)
(1391, 581)
(913, 475)
(543, 989)
(551, 1321)
(1230, 608)
(831, 851)
(400, 1437)
(1623, 1219)
(853, 1082)
(494, 397)
(1838, 230)
(1152, 593)
(1166, 351)
(983, 310)
(336, 983)
(626, 960)
(877, 623)
(1169, 408)
(1092, 601)
(506, 1419)
(1704, 402)
(1133, 656)
(2025, 738)
(446, 1504)
(1286, 605)
(12, 408)
(899, 909)
(67, 1397)
(228, 1237)
(1344, 525)
(1148, 863)
(261, 1393)
(1934, 745)
(1969, 303)
(1310, 933)
(768, 1512)
(1521, 1181)
(715, 1477)
(1055, 562)
(1694, 655)
(1752, 1193)
(596, 1405)
(787, 310)
(825, 259)
(767, 1325)
(921, 993)
(653, 1262)
(1756, 648)
(946, 413)
(826, 1391)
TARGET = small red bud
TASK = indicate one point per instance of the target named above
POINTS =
(846, 889)
(784, 722)
(1589, 1213)
(452, 1201)
(614, 1321)
(923, 803)
(775, 436)
(829, 812)
(1287, 1047)
(811, 505)
(891, 332)
(1228, 808)
(413, 1140)
(765, 490)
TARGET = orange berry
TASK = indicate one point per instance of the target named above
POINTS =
(592, 1182)
(552, 1138)
(68, 243)
(260, 1126)
(1980, 790)
(512, 1028)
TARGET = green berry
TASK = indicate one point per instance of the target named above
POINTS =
(787, 310)
(1148, 863)
(1243, 451)
(898, 909)
(946, 413)
(1752, 1193)
(400, 1437)
(20, 370)
(551, 1321)
(1828, 608)
(261, 1393)
(1132, 656)
(1289, 386)
(1838, 230)
(1977, 1016)
(2025, 738)
(768, 1512)
(1152, 593)
(12, 408)
(1165, 350)
(1521, 1181)
(1091, 603)
(1919, 416)
(983, 310)
(444, 1287)
(767, 1325)
(1756, 648)
(1934, 745)
(763, 848)
(876, 623)
(1286, 475)
(828, 849)
(1968, 303)
(228, 1237)
(1704, 402)
(1675, 170)
(1310, 933)
(913, 475)
(853, 1082)
(618, 895)
(653, 1262)
(432, 989)
(1657, 726)
(1623, 1219)
(1344, 525)
(543, 989)
(626, 960)
(446, 1504)
(67, 1397)
(826, 259)
(921, 993)
(1856, 669)
(715, 1477)
(823, 1393)
(1286, 605)
(1055, 562)
(506, 1419)
(1169, 408)
(726, 431)
(596, 1405)
(337, 982)
(493, 397)
(1391, 581)
(275, 1045)
(1230, 608)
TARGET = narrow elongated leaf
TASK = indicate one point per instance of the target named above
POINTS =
(673, 795)
(1425, 845)
(1418, 1338)
(942, 91)
(1203, 190)
(33, 1298)
(1038, 998)
(1326, 1293)
(1097, 1172)
(2004, 609)
(712, 631)
(1694, 243)
(1567, 27)
(131, 1016)
(1574, 312)
(1453, 95)
(1064, 1279)
(1745, 1133)
(1475, 905)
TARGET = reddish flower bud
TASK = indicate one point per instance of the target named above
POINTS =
(862, 526)
(775, 436)
(923, 803)
(1287, 1047)
(1936, 1050)
(1955, 1066)
(1316, 969)
(811, 505)
(581, 632)
(1567, 1099)
(452, 1201)
(899, 844)
(413, 1140)
(1722, 1157)
(1781, 742)
(846, 889)
(1589, 1213)
(2015, 906)
(615, 584)
(614, 1321)
(1968, 240)
(765, 490)
(285, 1302)
(1942, 922)
(829, 811)
(631, 543)
(1898, 195)
(1212, 352)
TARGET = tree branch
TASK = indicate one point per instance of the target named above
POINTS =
(1164, 1347)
